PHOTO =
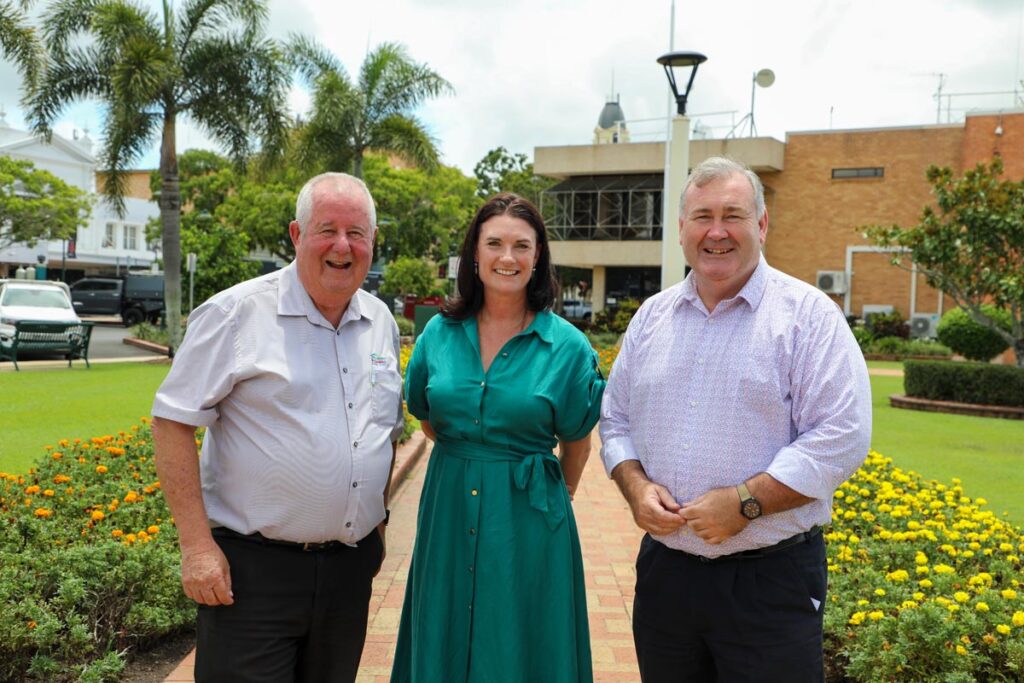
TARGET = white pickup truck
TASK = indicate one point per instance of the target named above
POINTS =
(576, 310)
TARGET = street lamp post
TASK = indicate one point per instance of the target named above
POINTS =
(677, 165)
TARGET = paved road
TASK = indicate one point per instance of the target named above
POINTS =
(107, 340)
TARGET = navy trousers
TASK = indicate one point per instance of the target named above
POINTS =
(731, 620)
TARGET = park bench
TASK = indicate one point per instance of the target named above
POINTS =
(70, 339)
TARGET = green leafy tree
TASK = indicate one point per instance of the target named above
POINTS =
(208, 60)
(971, 244)
(262, 211)
(407, 275)
(420, 215)
(221, 255)
(373, 113)
(20, 43)
(502, 171)
(37, 205)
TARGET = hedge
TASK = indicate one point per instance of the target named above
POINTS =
(979, 383)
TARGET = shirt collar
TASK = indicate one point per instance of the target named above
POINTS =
(293, 299)
(752, 291)
(541, 326)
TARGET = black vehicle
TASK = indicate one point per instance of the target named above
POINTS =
(134, 297)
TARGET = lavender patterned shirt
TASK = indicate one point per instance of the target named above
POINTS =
(771, 381)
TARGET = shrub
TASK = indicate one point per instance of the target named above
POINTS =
(981, 383)
(616, 319)
(863, 336)
(926, 347)
(406, 327)
(925, 584)
(888, 325)
(972, 340)
(407, 275)
(89, 563)
(889, 345)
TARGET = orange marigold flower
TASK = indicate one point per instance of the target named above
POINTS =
(97, 515)
(113, 450)
(61, 479)
(31, 625)
(43, 513)
(129, 539)
(131, 497)
(32, 490)
(101, 469)
(48, 493)
(153, 529)
(56, 455)
(117, 533)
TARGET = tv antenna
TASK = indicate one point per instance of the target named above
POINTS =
(763, 78)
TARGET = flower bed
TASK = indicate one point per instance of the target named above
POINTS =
(89, 564)
(924, 582)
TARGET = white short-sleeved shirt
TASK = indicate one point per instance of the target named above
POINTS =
(300, 415)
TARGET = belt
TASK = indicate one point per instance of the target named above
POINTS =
(539, 474)
(224, 532)
(802, 537)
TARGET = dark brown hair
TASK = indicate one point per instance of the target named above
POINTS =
(540, 291)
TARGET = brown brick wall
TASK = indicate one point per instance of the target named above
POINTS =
(813, 218)
(981, 144)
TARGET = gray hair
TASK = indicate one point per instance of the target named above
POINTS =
(304, 202)
(719, 168)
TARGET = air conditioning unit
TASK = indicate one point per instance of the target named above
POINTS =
(923, 325)
(832, 281)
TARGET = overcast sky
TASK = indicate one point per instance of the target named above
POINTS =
(537, 72)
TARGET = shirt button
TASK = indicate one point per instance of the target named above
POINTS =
(344, 369)
(483, 384)
(350, 405)
(476, 422)
(700, 361)
(693, 403)
(472, 532)
(355, 484)
(473, 492)
(355, 444)
(504, 354)
(348, 524)
(470, 569)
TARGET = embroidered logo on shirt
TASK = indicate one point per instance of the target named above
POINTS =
(377, 363)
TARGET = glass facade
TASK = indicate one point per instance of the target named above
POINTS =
(616, 207)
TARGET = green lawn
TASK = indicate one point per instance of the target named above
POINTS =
(39, 407)
(985, 453)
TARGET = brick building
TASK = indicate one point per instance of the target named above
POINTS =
(822, 188)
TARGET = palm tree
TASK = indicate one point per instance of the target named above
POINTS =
(209, 61)
(19, 42)
(348, 118)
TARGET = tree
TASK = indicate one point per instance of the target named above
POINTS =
(408, 275)
(209, 61)
(37, 205)
(19, 42)
(971, 245)
(347, 119)
(420, 215)
(221, 255)
(502, 171)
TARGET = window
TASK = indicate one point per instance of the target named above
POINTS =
(866, 172)
(619, 207)
(131, 234)
(110, 236)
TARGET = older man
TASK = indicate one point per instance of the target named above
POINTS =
(295, 375)
(738, 404)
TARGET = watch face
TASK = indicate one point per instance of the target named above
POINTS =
(751, 509)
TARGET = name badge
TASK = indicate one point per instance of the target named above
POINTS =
(377, 363)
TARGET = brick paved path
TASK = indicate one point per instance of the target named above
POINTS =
(609, 540)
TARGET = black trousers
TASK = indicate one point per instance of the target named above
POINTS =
(298, 615)
(736, 620)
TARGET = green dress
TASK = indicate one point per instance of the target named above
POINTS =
(495, 589)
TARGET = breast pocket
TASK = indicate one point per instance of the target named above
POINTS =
(385, 389)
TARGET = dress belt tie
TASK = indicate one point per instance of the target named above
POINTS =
(539, 474)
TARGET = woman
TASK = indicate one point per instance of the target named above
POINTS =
(495, 588)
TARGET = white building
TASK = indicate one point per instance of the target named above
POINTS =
(108, 244)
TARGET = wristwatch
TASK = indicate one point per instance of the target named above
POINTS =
(750, 507)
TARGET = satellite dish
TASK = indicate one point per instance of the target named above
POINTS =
(764, 77)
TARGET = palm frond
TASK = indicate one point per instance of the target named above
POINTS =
(127, 135)
(311, 59)
(64, 19)
(208, 17)
(79, 73)
(394, 84)
(408, 138)
(19, 42)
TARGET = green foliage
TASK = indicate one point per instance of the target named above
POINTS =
(887, 325)
(420, 215)
(616, 320)
(88, 560)
(863, 336)
(375, 112)
(406, 327)
(36, 205)
(981, 383)
(148, 332)
(210, 61)
(19, 42)
(971, 339)
(897, 346)
(408, 275)
(502, 171)
(221, 256)
(262, 211)
(971, 244)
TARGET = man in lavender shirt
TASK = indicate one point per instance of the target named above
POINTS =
(738, 404)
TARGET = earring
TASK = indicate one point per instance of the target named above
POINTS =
(476, 267)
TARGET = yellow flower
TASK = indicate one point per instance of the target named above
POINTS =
(876, 615)
(117, 533)
(56, 455)
(48, 493)
(919, 595)
(857, 618)
(943, 569)
(1018, 618)
(981, 606)
(960, 596)
(898, 575)
(101, 469)
(97, 515)
(43, 513)
(879, 592)
(961, 650)
(1008, 594)
(925, 583)
(153, 529)
(1003, 629)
